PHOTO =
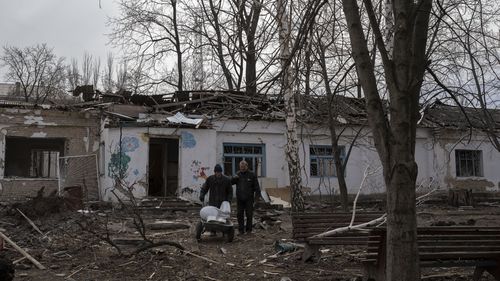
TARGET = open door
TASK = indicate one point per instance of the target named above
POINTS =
(163, 167)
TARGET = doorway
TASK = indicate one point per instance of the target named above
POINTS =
(163, 167)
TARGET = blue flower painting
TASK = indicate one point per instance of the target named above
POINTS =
(188, 140)
(129, 144)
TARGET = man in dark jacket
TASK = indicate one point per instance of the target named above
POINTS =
(247, 191)
(219, 186)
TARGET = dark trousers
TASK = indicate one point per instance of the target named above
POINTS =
(245, 207)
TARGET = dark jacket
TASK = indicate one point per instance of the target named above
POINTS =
(247, 185)
(220, 190)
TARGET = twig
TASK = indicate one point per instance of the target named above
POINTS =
(210, 278)
(32, 224)
(200, 257)
(365, 175)
(158, 244)
(19, 260)
(23, 252)
(75, 272)
(7, 223)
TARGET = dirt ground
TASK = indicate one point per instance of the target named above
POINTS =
(72, 246)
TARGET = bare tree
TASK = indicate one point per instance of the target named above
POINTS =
(87, 65)
(122, 76)
(96, 72)
(465, 56)
(395, 137)
(39, 71)
(149, 30)
(73, 74)
(107, 78)
(291, 149)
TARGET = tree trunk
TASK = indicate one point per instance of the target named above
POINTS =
(251, 72)
(332, 123)
(220, 54)
(178, 50)
(394, 137)
(291, 149)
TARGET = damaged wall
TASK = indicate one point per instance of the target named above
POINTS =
(445, 142)
(196, 158)
(271, 135)
(79, 133)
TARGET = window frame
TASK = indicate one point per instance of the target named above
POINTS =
(254, 156)
(463, 161)
(21, 157)
(321, 158)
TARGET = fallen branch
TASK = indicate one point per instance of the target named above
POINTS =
(374, 222)
(32, 224)
(200, 257)
(349, 228)
(23, 252)
(158, 244)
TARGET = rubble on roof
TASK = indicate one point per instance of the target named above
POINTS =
(439, 114)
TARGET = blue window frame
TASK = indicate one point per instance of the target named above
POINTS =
(254, 154)
(321, 160)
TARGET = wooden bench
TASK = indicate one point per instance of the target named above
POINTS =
(306, 225)
(442, 246)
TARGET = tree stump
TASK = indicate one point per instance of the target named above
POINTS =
(460, 197)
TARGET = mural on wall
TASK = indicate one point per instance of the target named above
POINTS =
(118, 164)
(199, 174)
(198, 170)
(188, 140)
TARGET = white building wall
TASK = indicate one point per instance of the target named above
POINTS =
(196, 158)
(201, 149)
(272, 135)
(444, 161)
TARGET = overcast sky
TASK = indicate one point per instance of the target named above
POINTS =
(69, 26)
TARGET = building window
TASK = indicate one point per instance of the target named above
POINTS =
(254, 154)
(321, 160)
(469, 163)
(32, 157)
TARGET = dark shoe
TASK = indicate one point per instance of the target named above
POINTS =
(240, 233)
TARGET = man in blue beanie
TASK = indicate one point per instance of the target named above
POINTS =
(219, 186)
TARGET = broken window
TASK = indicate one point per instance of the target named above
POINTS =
(252, 153)
(321, 160)
(43, 163)
(32, 157)
(469, 163)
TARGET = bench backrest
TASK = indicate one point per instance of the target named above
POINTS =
(306, 225)
(445, 243)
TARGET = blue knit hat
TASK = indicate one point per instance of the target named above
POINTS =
(218, 168)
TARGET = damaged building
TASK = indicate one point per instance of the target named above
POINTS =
(37, 147)
(166, 145)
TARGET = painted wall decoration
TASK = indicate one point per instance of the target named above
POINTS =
(130, 144)
(188, 140)
(119, 162)
(198, 170)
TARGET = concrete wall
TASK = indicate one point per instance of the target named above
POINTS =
(200, 150)
(445, 142)
(196, 158)
(80, 131)
(272, 135)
